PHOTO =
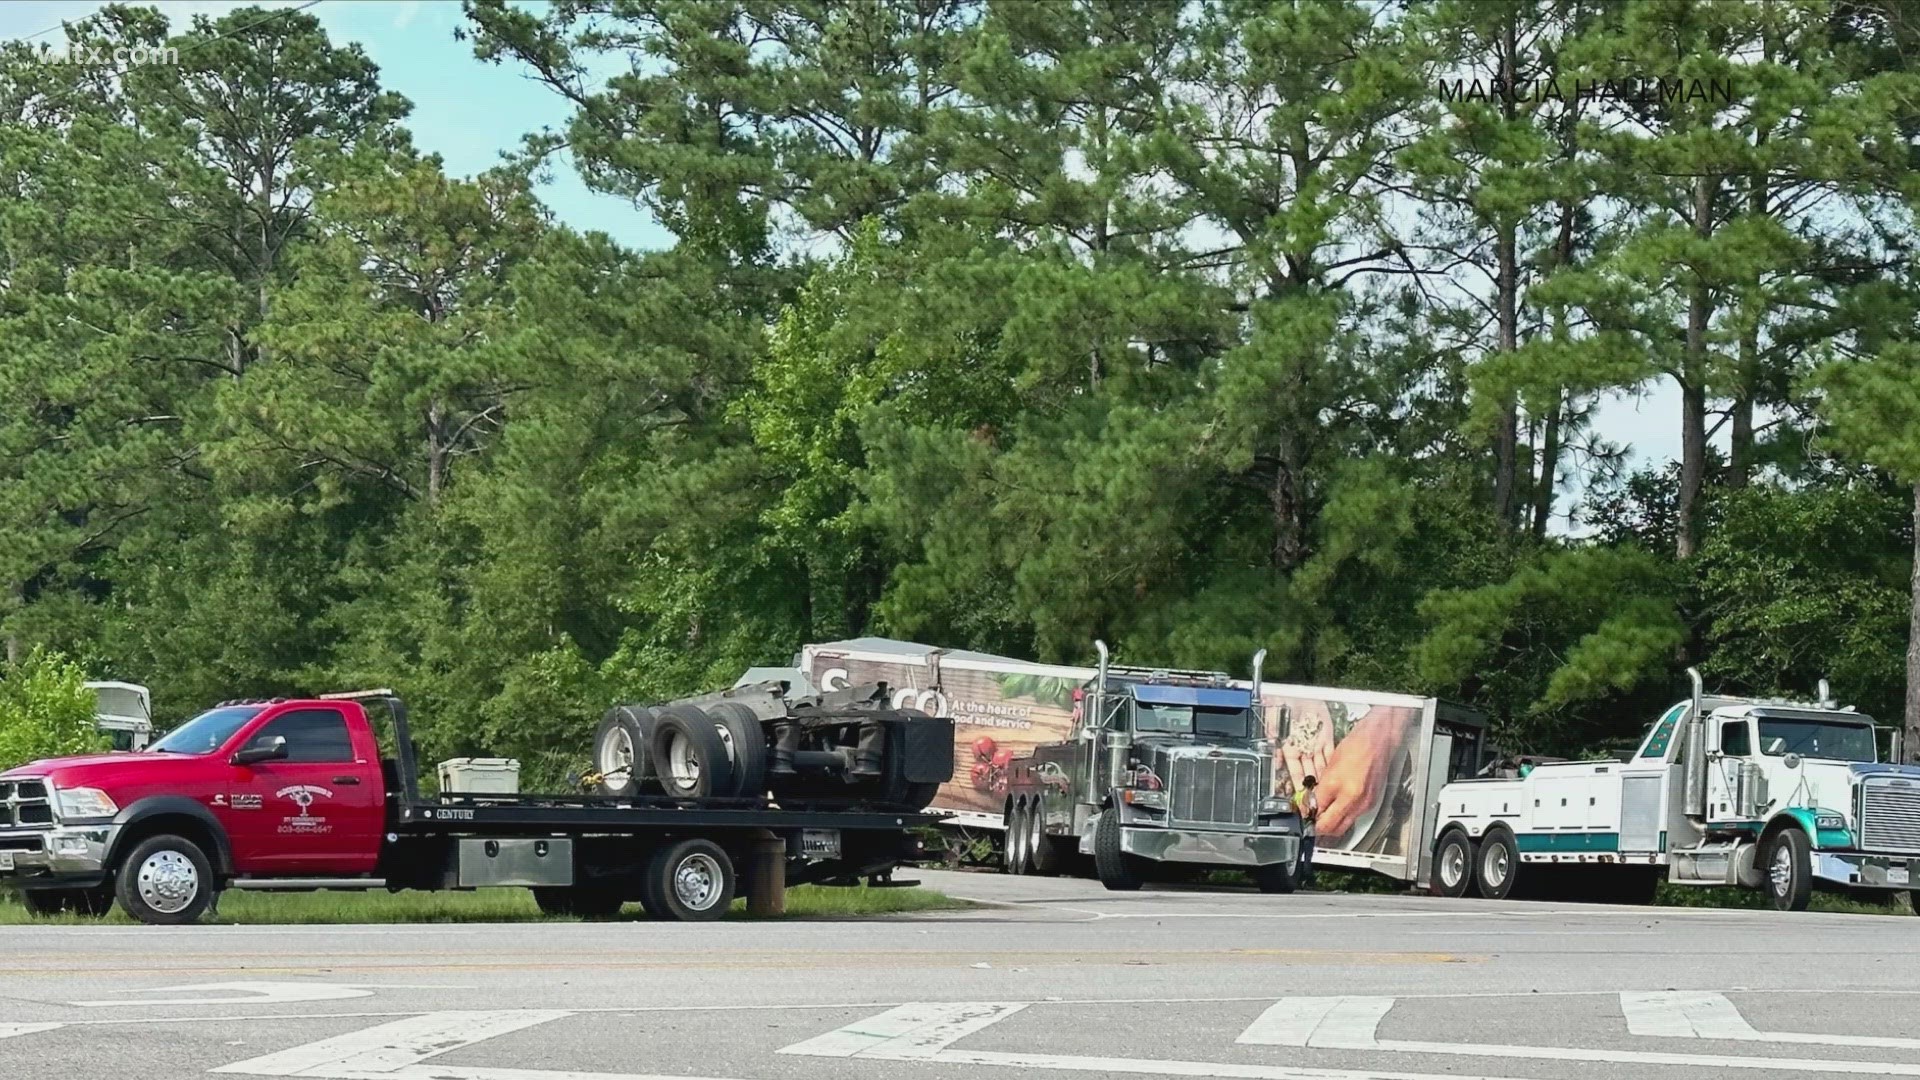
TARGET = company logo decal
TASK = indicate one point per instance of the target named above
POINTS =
(305, 820)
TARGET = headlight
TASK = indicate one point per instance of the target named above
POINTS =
(86, 802)
(1829, 821)
(1270, 807)
(1156, 800)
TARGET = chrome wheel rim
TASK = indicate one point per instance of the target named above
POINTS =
(696, 881)
(1780, 869)
(1497, 865)
(682, 762)
(616, 754)
(1036, 830)
(1453, 865)
(1017, 840)
(167, 882)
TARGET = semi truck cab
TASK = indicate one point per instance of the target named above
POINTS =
(1776, 795)
(1162, 767)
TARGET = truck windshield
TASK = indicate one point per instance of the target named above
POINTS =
(1189, 720)
(205, 733)
(1831, 739)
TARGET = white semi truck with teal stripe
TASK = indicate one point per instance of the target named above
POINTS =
(1779, 796)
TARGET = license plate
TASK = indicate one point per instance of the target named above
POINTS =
(1896, 875)
(6, 860)
(821, 843)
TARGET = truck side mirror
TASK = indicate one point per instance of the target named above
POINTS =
(272, 748)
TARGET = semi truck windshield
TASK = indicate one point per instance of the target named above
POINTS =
(1189, 720)
(1833, 740)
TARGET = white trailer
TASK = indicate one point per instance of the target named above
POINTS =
(124, 711)
(1390, 753)
(1781, 796)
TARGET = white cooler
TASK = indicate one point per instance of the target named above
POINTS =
(480, 776)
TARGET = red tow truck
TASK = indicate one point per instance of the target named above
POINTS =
(300, 794)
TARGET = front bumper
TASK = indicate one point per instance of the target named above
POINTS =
(1866, 871)
(63, 856)
(1210, 848)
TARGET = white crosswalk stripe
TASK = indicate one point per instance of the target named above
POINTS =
(1700, 1014)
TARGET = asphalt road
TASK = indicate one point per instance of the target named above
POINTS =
(1061, 979)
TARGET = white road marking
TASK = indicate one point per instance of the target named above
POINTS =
(1338, 1023)
(235, 993)
(8, 1031)
(388, 1048)
(1683, 1014)
(1158, 1067)
(914, 1031)
(1698, 1014)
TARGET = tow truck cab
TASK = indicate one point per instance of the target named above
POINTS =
(265, 789)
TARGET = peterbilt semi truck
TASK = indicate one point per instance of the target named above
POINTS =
(1785, 797)
(1380, 757)
(1162, 768)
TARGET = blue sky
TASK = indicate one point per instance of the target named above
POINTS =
(471, 112)
(466, 111)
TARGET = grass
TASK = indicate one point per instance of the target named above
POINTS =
(484, 905)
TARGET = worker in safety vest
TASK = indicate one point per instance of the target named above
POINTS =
(1308, 805)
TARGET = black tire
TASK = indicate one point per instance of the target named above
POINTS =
(690, 759)
(95, 902)
(584, 901)
(624, 735)
(1276, 877)
(689, 881)
(1116, 869)
(919, 794)
(1788, 871)
(1453, 866)
(1497, 866)
(165, 881)
(746, 743)
(1044, 857)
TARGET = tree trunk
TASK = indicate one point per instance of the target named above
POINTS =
(1549, 465)
(1740, 448)
(1740, 444)
(1693, 391)
(1506, 438)
(1911, 727)
(437, 452)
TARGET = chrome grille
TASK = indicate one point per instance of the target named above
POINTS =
(1223, 790)
(25, 804)
(1890, 815)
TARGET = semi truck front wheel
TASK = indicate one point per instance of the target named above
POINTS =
(1789, 870)
(1115, 868)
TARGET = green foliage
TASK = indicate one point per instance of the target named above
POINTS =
(1197, 328)
(45, 711)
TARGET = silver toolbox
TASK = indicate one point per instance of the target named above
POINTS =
(543, 861)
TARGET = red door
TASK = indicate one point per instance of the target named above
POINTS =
(316, 812)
